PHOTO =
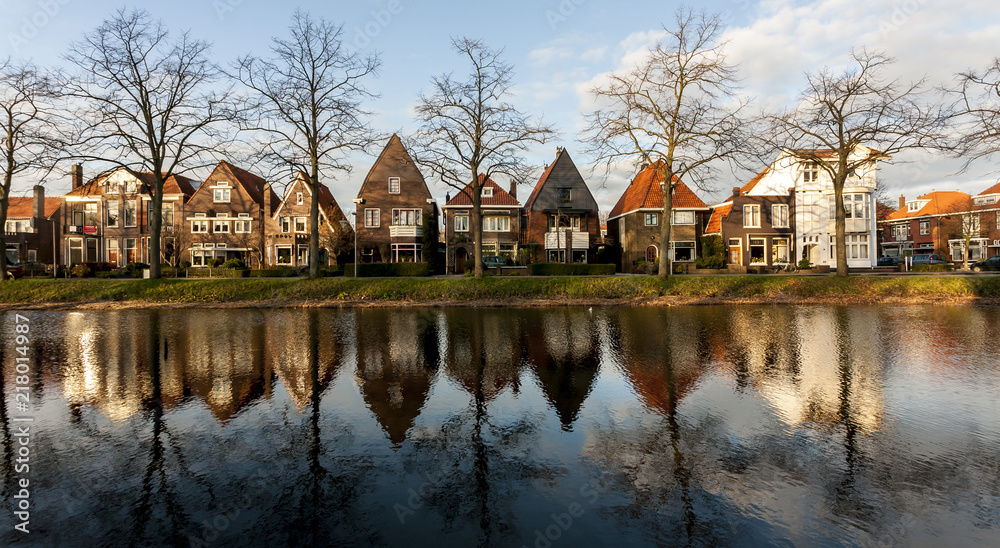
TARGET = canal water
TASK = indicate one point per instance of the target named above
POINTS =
(706, 426)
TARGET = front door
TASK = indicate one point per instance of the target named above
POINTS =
(734, 254)
(461, 255)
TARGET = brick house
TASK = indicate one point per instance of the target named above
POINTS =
(757, 224)
(107, 219)
(391, 207)
(634, 222)
(224, 218)
(32, 226)
(287, 230)
(561, 214)
(501, 224)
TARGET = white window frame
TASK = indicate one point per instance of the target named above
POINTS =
(394, 185)
(277, 254)
(222, 195)
(199, 226)
(686, 245)
(810, 172)
(677, 217)
(924, 226)
(779, 215)
(372, 215)
(751, 213)
(220, 227)
(112, 207)
(286, 224)
(135, 214)
(406, 213)
(299, 200)
(243, 226)
(301, 225)
(461, 223)
(776, 243)
(496, 223)
(487, 192)
(652, 219)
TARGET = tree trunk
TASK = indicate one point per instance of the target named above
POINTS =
(313, 223)
(665, 226)
(155, 227)
(4, 204)
(477, 223)
(841, 219)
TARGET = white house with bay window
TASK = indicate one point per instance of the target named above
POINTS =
(814, 206)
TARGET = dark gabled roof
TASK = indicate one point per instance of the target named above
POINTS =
(253, 185)
(174, 184)
(500, 196)
(327, 203)
(24, 208)
(644, 192)
(394, 151)
(561, 173)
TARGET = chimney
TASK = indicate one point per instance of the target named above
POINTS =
(513, 189)
(267, 199)
(736, 191)
(558, 151)
(39, 203)
(76, 173)
(447, 197)
(902, 201)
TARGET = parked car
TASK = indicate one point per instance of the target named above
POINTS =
(15, 269)
(993, 263)
(890, 261)
(494, 261)
(928, 258)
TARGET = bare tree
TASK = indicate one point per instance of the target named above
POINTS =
(145, 102)
(861, 106)
(470, 131)
(963, 222)
(978, 113)
(678, 111)
(28, 140)
(307, 106)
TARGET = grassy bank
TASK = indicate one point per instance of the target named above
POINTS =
(500, 291)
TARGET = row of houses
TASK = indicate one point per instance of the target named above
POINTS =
(782, 215)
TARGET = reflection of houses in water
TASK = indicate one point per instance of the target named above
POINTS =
(292, 348)
(662, 353)
(484, 350)
(815, 364)
(397, 357)
(211, 354)
(563, 349)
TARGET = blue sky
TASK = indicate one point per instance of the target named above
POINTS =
(561, 48)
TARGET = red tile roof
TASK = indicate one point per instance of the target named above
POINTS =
(718, 214)
(500, 196)
(645, 193)
(939, 203)
(995, 189)
(24, 208)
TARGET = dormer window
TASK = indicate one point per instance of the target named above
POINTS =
(986, 200)
(810, 172)
(222, 196)
(299, 200)
(393, 185)
(487, 192)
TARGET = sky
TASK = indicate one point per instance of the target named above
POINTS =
(560, 49)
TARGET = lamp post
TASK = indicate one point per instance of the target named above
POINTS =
(355, 213)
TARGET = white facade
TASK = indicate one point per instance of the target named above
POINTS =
(815, 227)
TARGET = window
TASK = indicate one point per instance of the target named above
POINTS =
(757, 251)
(393, 185)
(284, 255)
(487, 192)
(971, 222)
(506, 250)
(564, 194)
(683, 217)
(855, 207)
(114, 253)
(220, 227)
(286, 225)
(112, 188)
(461, 223)
(683, 251)
(407, 253)
(998, 220)
(559, 222)
(221, 196)
(112, 214)
(405, 217)
(751, 216)
(199, 226)
(779, 250)
(167, 216)
(810, 172)
(371, 218)
(902, 232)
(242, 226)
(131, 212)
(651, 254)
(131, 187)
(985, 200)
(857, 246)
(779, 215)
(131, 250)
(652, 219)
(299, 200)
(499, 223)
(300, 224)
(925, 227)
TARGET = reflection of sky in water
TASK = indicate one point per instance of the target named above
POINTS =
(811, 425)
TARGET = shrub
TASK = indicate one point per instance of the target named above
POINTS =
(378, 270)
(643, 267)
(135, 269)
(80, 271)
(184, 264)
(234, 263)
(932, 268)
(217, 273)
(713, 261)
(560, 269)
(804, 264)
(214, 262)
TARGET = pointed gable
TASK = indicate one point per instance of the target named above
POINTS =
(719, 213)
(394, 161)
(327, 203)
(645, 192)
(500, 196)
(561, 174)
(254, 186)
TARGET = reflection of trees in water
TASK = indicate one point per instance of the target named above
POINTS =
(562, 346)
(397, 355)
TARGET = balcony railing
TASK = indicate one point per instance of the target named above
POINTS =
(557, 240)
(407, 231)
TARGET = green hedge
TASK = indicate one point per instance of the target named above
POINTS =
(560, 269)
(932, 268)
(216, 273)
(273, 273)
(388, 270)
